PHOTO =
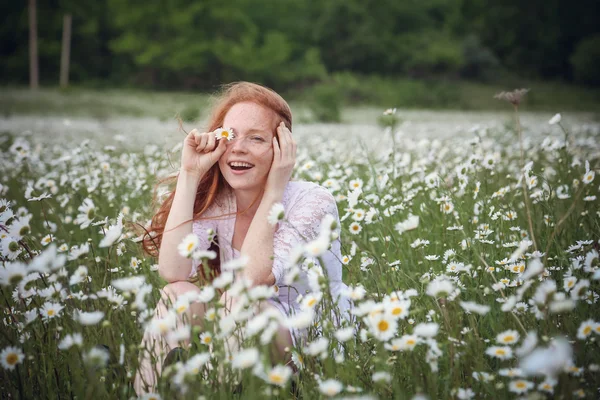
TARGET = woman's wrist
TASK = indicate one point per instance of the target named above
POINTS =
(272, 196)
(190, 175)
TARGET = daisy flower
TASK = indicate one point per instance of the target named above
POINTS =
(547, 385)
(447, 207)
(382, 376)
(355, 228)
(276, 214)
(10, 357)
(206, 338)
(10, 247)
(279, 375)
(426, 329)
(585, 329)
(470, 306)
(508, 337)
(46, 240)
(87, 213)
(398, 309)
(382, 326)
(589, 175)
(440, 287)
(311, 300)
(520, 386)
(50, 310)
(12, 273)
(89, 318)
(246, 358)
(96, 357)
(501, 352)
(224, 133)
(555, 120)
(358, 215)
(188, 245)
(355, 184)
(330, 387)
(76, 339)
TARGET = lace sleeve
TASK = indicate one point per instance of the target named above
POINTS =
(303, 225)
(202, 228)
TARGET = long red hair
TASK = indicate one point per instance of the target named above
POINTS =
(212, 183)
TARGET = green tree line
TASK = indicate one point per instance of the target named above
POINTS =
(289, 44)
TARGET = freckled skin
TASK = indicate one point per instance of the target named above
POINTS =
(243, 117)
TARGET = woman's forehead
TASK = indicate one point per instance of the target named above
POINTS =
(245, 117)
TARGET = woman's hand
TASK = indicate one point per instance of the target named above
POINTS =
(284, 160)
(200, 152)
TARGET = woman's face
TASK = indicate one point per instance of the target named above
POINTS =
(252, 125)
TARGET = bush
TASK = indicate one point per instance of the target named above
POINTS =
(479, 61)
(585, 60)
(325, 102)
(190, 114)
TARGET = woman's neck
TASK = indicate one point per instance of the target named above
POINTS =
(247, 202)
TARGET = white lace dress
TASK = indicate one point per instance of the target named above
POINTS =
(305, 205)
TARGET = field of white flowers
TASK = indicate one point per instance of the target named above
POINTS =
(472, 262)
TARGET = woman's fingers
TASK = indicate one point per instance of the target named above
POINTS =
(210, 146)
(276, 151)
(203, 141)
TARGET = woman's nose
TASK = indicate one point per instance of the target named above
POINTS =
(239, 145)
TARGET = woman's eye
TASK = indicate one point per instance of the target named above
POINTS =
(258, 139)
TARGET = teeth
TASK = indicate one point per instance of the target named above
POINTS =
(240, 164)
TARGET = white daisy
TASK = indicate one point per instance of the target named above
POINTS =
(89, 318)
(11, 356)
(245, 358)
(224, 133)
(508, 337)
(501, 352)
(51, 310)
(279, 375)
(330, 387)
(585, 329)
(276, 214)
(355, 228)
(188, 245)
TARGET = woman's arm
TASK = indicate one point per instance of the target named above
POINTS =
(171, 265)
(258, 244)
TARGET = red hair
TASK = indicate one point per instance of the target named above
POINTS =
(212, 183)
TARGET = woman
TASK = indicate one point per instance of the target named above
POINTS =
(230, 184)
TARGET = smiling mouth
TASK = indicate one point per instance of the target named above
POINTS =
(240, 166)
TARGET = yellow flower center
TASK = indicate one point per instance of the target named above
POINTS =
(500, 352)
(383, 326)
(190, 246)
(207, 340)
(508, 338)
(181, 309)
(587, 330)
(275, 378)
(12, 359)
(50, 313)
(311, 302)
(520, 385)
(397, 311)
(410, 342)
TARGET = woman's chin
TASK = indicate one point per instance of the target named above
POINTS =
(237, 183)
